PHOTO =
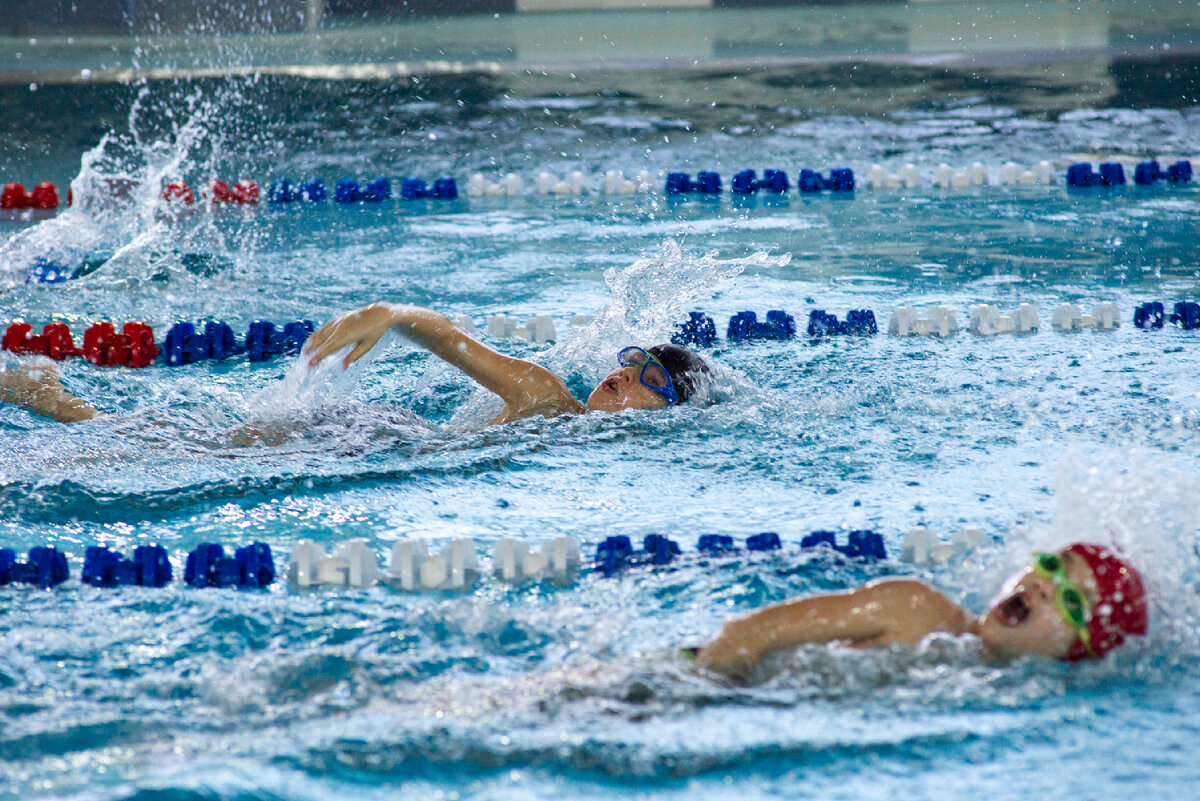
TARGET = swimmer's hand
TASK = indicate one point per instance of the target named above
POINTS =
(362, 328)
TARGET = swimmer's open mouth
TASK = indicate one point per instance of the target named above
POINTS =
(1014, 611)
(610, 385)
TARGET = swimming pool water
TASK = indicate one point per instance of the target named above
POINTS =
(535, 692)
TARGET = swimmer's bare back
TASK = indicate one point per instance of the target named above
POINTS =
(527, 389)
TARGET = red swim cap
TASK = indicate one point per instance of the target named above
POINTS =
(1122, 607)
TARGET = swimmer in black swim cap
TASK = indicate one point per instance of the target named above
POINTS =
(650, 378)
(669, 371)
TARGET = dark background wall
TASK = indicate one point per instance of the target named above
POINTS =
(125, 17)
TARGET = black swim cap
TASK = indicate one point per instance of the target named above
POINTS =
(685, 367)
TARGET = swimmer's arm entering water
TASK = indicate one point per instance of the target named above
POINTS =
(877, 613)
(526, 388)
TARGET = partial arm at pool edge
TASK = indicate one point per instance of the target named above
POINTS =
(38, 388)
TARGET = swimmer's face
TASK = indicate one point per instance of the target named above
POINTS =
(1023, 618)
(621, 390)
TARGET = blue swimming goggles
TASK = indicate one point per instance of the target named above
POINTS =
(653, 376)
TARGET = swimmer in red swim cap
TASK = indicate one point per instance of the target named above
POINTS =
(1079, 603)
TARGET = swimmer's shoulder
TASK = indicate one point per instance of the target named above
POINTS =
(545, 407)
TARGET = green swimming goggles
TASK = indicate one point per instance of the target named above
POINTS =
(653, 376)
(1069, 599)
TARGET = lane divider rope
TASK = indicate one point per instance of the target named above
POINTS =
(189, 343)
(456, 567)
(246, 192)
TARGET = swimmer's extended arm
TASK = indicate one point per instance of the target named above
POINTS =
(525, 387)
(745, 641)
(875, 613)
(38, 388)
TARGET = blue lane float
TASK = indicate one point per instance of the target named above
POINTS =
(416, 189)
(45, 271)
(1148, 172)
(745, 327)
(706, 183)
(348, 190)
(1153, 314)
(839, 180)
(699, 330)
(1186, 315)
(149, 567)
(263, 340)
(250, 567)
(858, 322)
(45, 567)
(863, 544)
(617, 552)
(717, 544)
(746, 182)
(1080, 174)
(185, 345)
(764, 541)
(285, 191)
(1149, 315)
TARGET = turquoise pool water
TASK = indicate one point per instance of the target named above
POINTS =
(536, 692)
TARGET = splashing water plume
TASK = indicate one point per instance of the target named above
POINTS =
(118, 228)
(648, 298)
(1150, 516)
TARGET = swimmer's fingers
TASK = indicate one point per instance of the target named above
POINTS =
(361, 328)
(315, 343)
(330, 338)
(361, 349)
(338, 334)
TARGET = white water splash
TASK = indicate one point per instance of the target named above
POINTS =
(118, 218)
(649, 297)
(305, 388)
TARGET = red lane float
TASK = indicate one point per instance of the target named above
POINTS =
(102, 345)
(243, 193)
(54, 341)
(43, 197)
(133, 347)
(179, 191)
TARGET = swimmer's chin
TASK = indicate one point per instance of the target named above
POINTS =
(606, 405)
(604, 399)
